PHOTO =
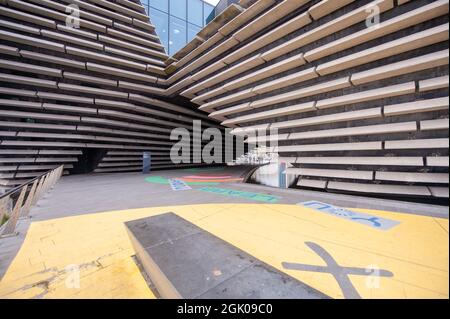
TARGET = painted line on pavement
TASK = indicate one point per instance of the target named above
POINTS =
(361, 218)
(247, 195)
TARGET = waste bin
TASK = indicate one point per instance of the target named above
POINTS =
(146, 162)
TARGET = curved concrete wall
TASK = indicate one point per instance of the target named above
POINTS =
(66, 90)
(358, 108)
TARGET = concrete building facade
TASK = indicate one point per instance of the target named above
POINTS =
(92, 98)
(357, 90)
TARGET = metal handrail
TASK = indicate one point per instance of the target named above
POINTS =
(39, 186)
(15, 189)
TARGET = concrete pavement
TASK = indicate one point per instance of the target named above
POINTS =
(80, 222)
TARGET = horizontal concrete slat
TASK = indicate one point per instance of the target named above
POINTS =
(331, 173)
(303, 182)
(294, 109)
(30, 68)
(433, 84)
(440, 178)
(417, 144)
(340, 23)
(410, 18)
(359, 160)
(403, 67)
(24, 80)
(408, 43)
(331, 118)
(416, 107)
(357, 131)
(23, 16)
(52, 59)
(380, 189)
(363, 96)
(440, 192)
(438, 124)
(441, 161)
(334, 147)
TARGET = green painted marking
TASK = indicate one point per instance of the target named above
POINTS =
(165, 181)
(247, 195)
(157, 180)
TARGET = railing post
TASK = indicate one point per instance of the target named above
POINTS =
(60, 172)
(57, 175)
(4, 208)
(50, 181)
(39, 190)
(29, 201)
(45, 185)
(12, 221)
(39, 187)
(54, 177)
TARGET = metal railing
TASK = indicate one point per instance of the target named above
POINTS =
(17, 202)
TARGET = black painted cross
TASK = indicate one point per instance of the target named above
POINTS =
(339, 273)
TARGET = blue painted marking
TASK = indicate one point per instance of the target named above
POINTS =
(361, 218)
(373, 220)
(178, 185)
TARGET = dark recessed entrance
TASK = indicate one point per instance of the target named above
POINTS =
(88, 161)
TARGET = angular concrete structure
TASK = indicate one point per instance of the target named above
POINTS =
(91, 98)
(360, 104)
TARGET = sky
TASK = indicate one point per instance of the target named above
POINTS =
(213, 2)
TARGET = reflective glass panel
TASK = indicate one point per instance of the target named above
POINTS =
(178, 8)
(161, 22)
(195, 12)
(192, 31)
(177, 38)
(162, 5)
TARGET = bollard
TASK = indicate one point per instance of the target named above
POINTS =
(146, 162)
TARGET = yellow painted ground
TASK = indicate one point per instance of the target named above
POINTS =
(416, 251)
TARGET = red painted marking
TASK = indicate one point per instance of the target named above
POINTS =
(212, 180)
(207, 176)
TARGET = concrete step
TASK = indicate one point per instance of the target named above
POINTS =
(185, 261)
